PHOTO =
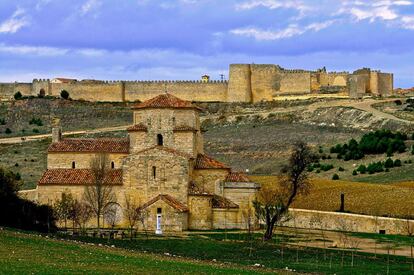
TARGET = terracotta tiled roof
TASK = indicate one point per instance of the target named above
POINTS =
(104, 145)
(167, 149)
(137, 128)
(184, 128)
(222, 202)
(171, 201)
(237, 177)
(77, 177)
(206, 162)
(165, 101)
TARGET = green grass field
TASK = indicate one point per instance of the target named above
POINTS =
(22, 253)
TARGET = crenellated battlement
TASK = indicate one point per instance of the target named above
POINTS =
(247, 83)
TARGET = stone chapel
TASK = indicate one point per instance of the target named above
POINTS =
(161, 164)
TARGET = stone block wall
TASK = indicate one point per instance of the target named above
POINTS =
(226, 218)
(295, 83)
(82, 160)
(346, 222)
(200, 212)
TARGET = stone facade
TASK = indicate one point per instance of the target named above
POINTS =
(247, 83)
(161, 165)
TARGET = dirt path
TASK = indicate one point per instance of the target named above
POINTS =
(364, 105)
(21, 139)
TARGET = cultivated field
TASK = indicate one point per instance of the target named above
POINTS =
(394, 200)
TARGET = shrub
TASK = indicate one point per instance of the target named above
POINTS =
(16, 164)
(389, 163)
(387, 170)
(18, 96)
(310, 168)
(326, 167)
(354, 173)
(36, 121)
(397, 102)
(318, 171)
(362, 169)
(36, 131)
(397, 163)
(8, 131)
(2, 121)
(375, 167)
(64, 94)
(412, 150)
(335, 177)
(341, 169)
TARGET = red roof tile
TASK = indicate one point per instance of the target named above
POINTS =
(104, 145)
(171, 201)
(167, 149)
(237, 177)
(165, 101)
(137, 128)
(77, 177)
(206, 162)
(184, 128)
(222, 202)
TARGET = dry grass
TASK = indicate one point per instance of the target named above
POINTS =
(394, 200)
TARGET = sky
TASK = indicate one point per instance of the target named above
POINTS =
(184, 39)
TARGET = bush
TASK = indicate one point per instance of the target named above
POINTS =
(8, 131)
(64, 94)
(412, 150)
(397, 163)
(389, 163)
(2, 121)
(335, 177)
(397, 102)
(354, 173)
(375, 167)
(362, 169)
(36, 121)
(18, 96)
(326, 167)
(36, 131)
(318, 171)
(341, 169)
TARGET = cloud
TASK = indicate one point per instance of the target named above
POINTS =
(290, 31)
(272, 4)
(17, 21)
(89, 6)
(31, 50)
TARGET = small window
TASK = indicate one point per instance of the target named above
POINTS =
(112, 165)
(154, 172)
(159, 210)
(73, 165)
(160, 140)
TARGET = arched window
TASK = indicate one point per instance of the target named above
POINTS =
(73, 165)
(160, 140)
(112, 165)
(154, 172)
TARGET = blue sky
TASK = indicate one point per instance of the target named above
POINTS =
(183, 39)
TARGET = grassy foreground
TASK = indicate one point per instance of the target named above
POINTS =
(22, 253)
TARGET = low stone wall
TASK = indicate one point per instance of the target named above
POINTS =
(311, 219)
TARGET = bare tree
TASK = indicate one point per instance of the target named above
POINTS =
(100, 192)
(112, 214)
(63, 207)
(248, 217)
(83, 214)
(317, 222)
(409, 230)
(132, 212)
(273, 201)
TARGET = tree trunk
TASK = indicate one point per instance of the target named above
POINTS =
(269, 232)
(412, 259)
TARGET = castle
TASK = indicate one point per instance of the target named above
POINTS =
(246, 83)
(161, 164)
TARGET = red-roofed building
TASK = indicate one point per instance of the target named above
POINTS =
(161, 163)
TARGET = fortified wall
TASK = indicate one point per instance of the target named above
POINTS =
(247, 83)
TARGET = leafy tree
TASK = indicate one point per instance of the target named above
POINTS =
(8, 131)
(335, 177)
(362, 169)
(273, 201)
(18, 95)
(64, 94)
(354, 173)
(64, 207)
(389, 163)
(397, 163)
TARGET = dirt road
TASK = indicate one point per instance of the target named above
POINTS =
(37, 137)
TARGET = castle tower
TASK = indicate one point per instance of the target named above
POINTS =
(239, 89)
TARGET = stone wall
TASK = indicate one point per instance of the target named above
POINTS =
(200, 212)
(226, 218)
(295, 83)
(82, 160)
(346, 222)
